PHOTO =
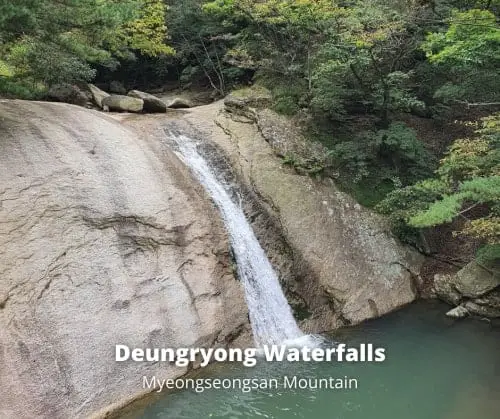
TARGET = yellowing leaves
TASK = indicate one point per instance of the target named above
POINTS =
(487, 229)
(474, 157)
(298, 12)
(5, 69)
(470, 173)
(148, 33)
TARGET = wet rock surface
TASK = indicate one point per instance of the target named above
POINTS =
(338, 262)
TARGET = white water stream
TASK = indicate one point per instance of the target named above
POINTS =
(270, 315)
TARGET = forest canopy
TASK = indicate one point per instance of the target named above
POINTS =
(356, 73)
(47, 42)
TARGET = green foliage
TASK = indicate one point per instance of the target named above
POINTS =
(5, 70)
(148, 32)
(341, 58)
(289, 99)
(279, 39)
(403, 203)
(46, 62)
(202, 42)
(61, 41)
(370, 191)
(439, 212)
(399, 145)
(472, 38)
(489, 255)
(365, 57)
(393, 154)
(467, 178)
(21, 89)
(353, 158)
(469, 52)
(333, 87)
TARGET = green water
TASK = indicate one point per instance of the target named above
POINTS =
(436, 368)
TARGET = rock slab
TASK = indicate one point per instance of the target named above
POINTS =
(120, 103)
(68, 93)
(474, 287)
(105, 239)
(340, 259)
(180, 103)
(97, 94)
(151, 103)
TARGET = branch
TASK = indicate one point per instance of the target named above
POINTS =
(203, 68)
(468, 209)
(469, 104)
(219, 76)
(356, 75)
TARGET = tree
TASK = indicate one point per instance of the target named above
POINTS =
(468, 52)
(202, 42)
(147, 33)
(367, 62)
(335, 59)
(468, 178)
(279, 38)
(43, 42)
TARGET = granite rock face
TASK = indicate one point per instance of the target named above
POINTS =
(152, 104)
(105, 239)
(337, 261)
(473, 288)
(98, 95)
(120, 103)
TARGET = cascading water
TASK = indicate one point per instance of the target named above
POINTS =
(270, 315)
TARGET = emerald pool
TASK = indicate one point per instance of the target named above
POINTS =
(436, 368)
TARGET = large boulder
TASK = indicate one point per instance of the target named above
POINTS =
(474, 281)
(119, 103)
(338, 262)
(151, 103)
(459, 312)
(180, 103)
(68, 93)
(105, 239)
(474, 287)
(97, 94)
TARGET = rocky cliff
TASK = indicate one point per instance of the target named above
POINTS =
(338, 262)
(104, 239)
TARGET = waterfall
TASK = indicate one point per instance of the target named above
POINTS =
(270, 315)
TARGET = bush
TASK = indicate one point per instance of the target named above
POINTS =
(394, 154)
(21, 89)
(401, 204)
(489, 256)
(468, 177)
(288, 96)
(48, 63)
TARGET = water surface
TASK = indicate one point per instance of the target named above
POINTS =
(436, 368)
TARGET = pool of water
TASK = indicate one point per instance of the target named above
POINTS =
(436, 368)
